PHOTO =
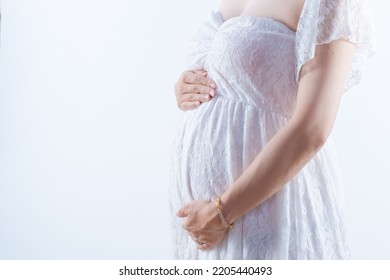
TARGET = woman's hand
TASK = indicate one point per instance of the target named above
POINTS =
(203, 223)
(193, 88)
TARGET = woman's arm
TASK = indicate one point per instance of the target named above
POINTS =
(320, 89)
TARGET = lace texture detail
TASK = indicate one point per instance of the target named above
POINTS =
(323, 21)
(254, 62)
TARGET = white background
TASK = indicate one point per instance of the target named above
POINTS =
(87, 114)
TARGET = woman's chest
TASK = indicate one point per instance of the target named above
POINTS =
(261, 48)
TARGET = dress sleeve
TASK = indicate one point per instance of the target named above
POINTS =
(324, 21)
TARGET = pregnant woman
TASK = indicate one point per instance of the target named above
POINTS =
(254, 169)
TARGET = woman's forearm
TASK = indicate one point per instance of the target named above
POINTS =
(321, 84)
(319, 94)
(320, 90)
(280, 160)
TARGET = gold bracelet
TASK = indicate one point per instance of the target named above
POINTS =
(220, 214)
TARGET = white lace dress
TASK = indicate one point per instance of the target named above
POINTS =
(255, 62)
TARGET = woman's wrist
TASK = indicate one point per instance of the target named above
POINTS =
(213, 220)
(229, 207)
(224, 221)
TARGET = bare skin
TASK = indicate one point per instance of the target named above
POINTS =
(194, 87)
(321, 86)
(284, 11)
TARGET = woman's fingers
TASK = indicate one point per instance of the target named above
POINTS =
(193, 88)
(205, 241)
(190, 228)
(192, 97)
(195, 77)
(182, 212)
(185, 105)
(188, 100)
(205, 246)
(200, 244)
(200, 72)
(197, 88)
(198, 224)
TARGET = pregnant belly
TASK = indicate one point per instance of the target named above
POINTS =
(215, 144)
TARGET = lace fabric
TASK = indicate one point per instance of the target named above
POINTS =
(254, 62)
(323, 21)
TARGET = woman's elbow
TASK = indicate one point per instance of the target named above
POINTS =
(310, 135)
(313, 128)
(316, 137)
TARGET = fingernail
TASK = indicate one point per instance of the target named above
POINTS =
(213, 86)
(197, 103)
(212, 93)
(206, 97)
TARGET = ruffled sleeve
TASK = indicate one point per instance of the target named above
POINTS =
(201, 42)
(323, 21)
